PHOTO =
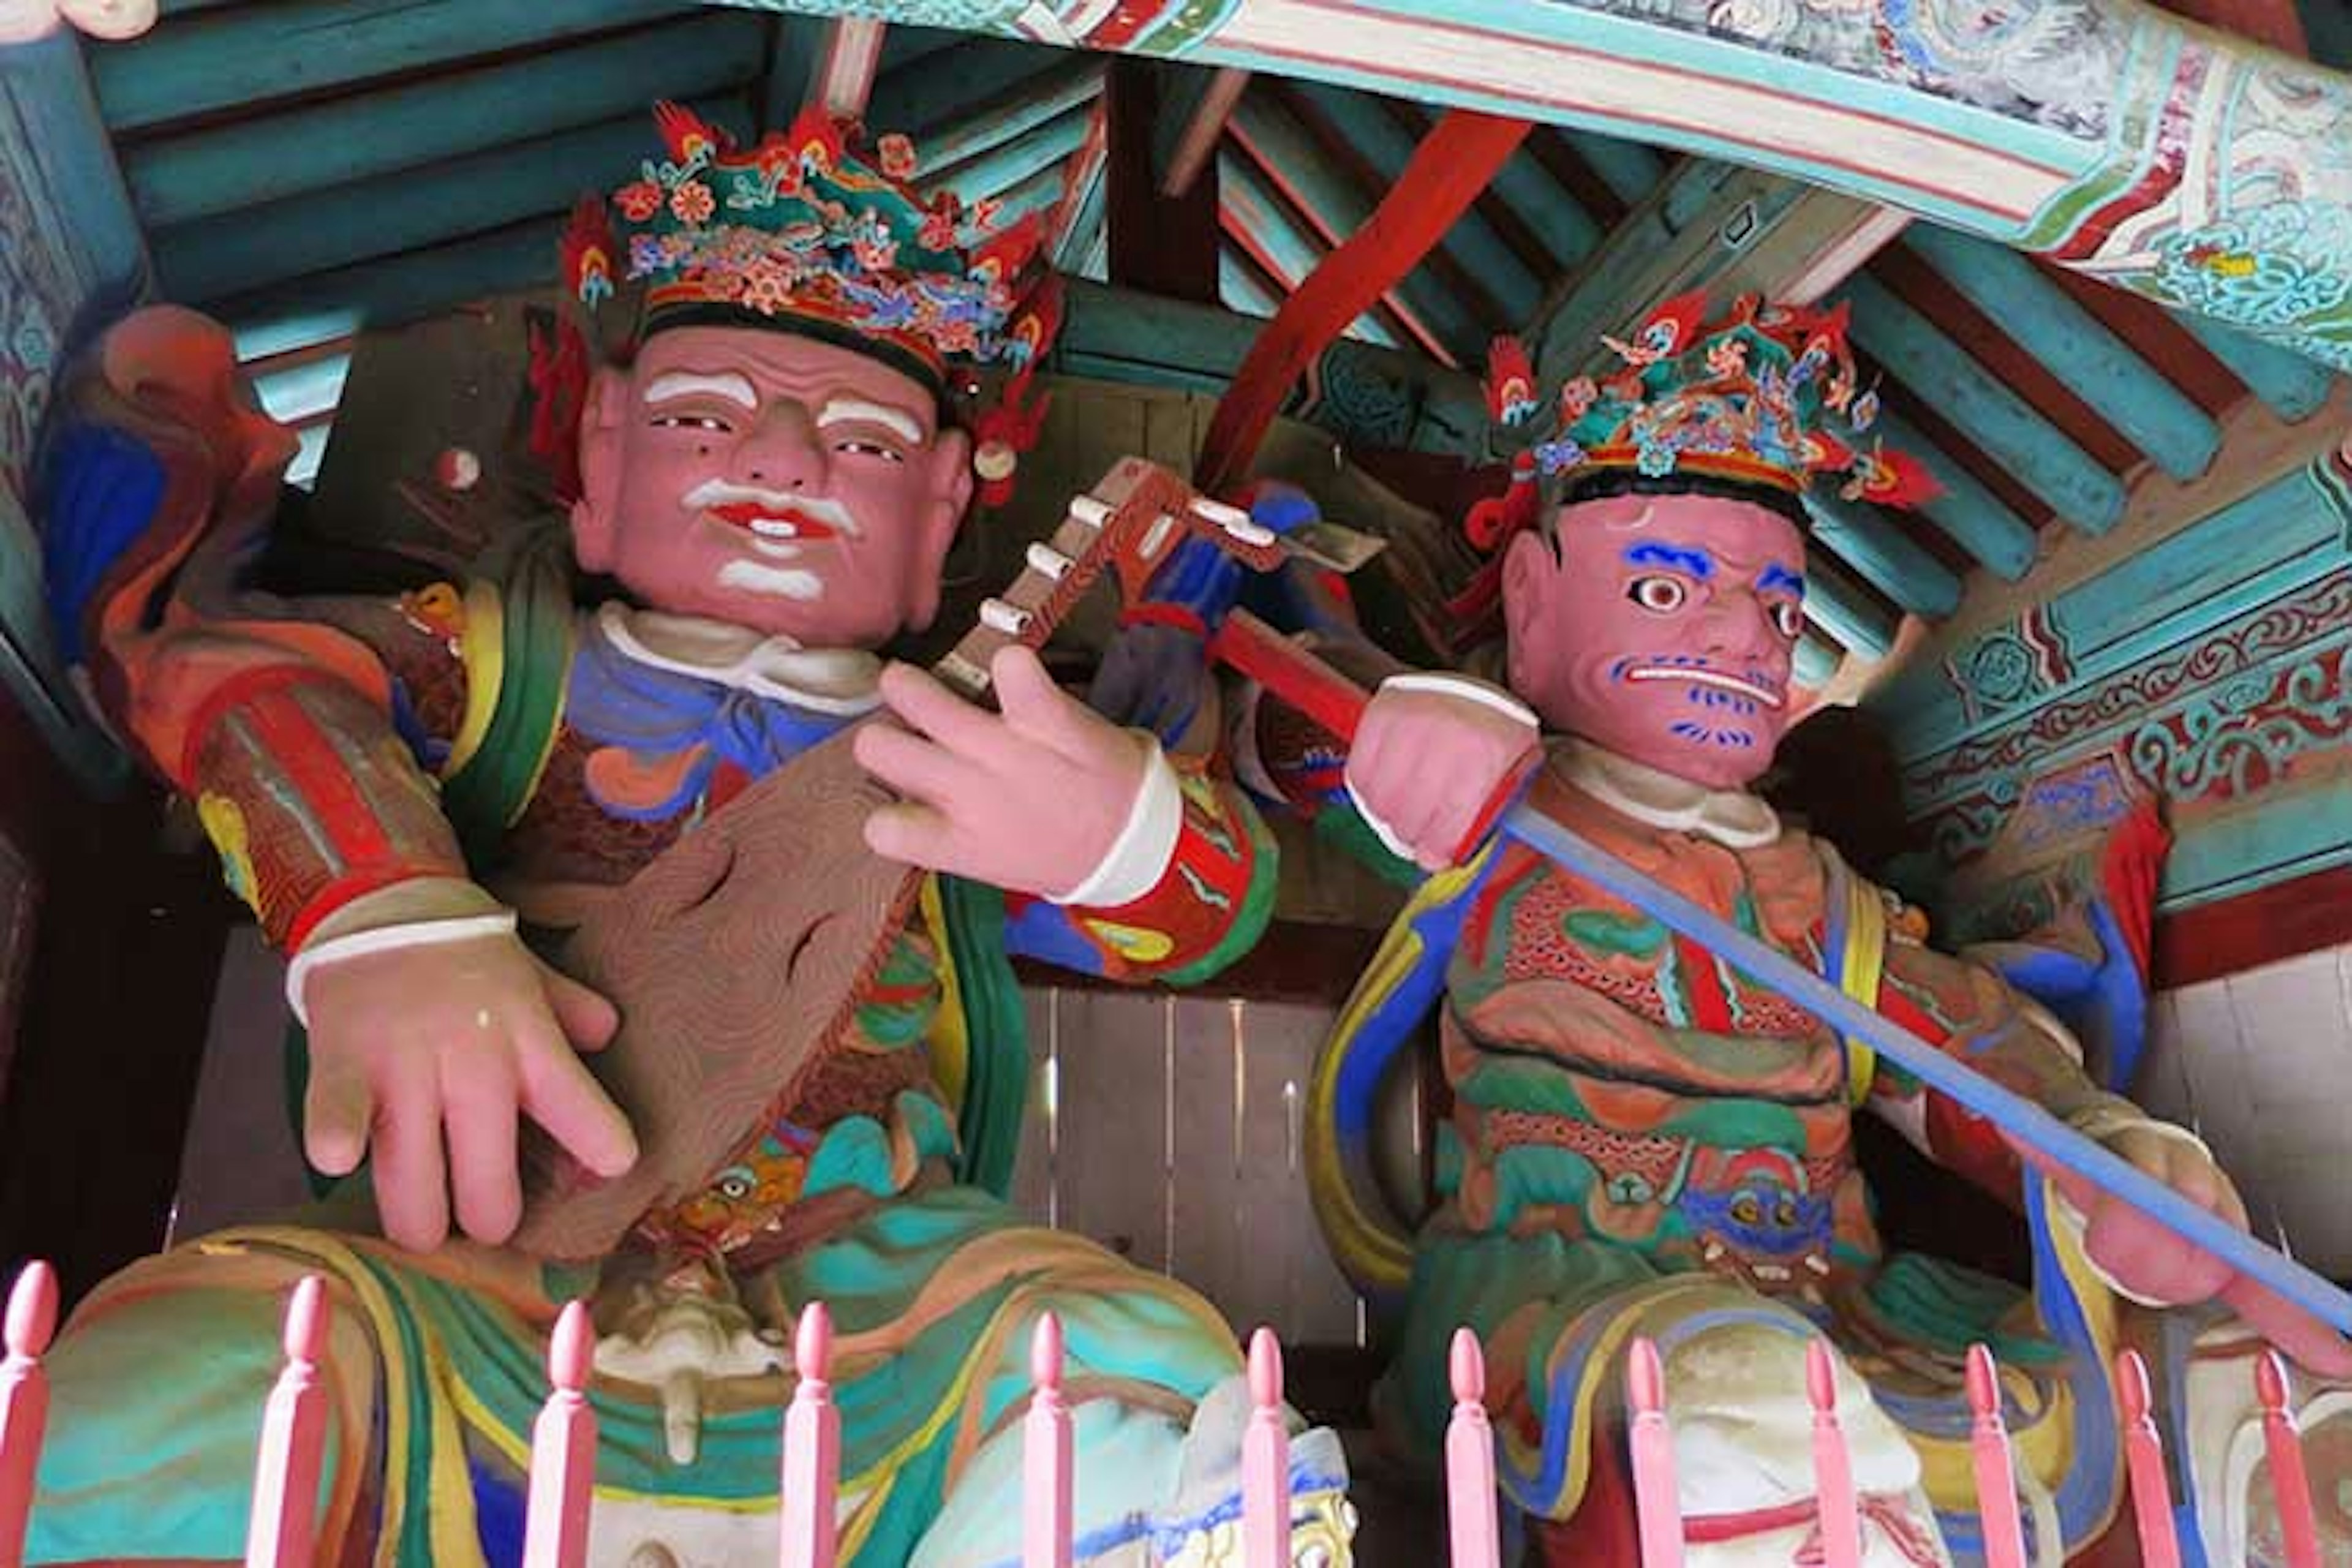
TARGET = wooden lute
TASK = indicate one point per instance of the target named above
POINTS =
(738, 959)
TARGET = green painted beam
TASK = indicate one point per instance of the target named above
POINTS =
(1861, 537)
(2128, 392)
(180, 178)
(1567, 231)
(307, 312)
(2293, 387)
(1969, 512)
(1242, 288)
(1087, 222)
(2042, 457)
(1472, 241)
(795, 48)
(239, 252)
(248, 55)
(931, 97)
(1630, 169)
(1044, 100)
(989, 169)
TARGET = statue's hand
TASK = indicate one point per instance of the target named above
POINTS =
(2152, 1264)
(457, 1039)
(1033, 799)
(1436, 757)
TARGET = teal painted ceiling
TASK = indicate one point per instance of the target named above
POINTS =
(301, 167)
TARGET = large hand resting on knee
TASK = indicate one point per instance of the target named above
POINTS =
(450, 1034)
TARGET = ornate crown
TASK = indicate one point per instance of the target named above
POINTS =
(811, 231)
(1766, 396)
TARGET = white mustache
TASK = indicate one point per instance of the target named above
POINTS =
(1700, 676)
(817, 508)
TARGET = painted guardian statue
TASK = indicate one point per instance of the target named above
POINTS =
(771, 473)
(1643, 1141)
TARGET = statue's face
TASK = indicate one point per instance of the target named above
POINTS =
(772, 481)
(1662, 628)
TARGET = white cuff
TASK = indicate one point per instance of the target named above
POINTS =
(2099, 1124)
(1138, 856)
(386, 939)
(1441, 683)
(1469, 688)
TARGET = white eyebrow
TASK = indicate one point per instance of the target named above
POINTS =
(855, 410)
(734, 388)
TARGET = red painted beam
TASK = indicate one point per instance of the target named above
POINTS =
(2274, 22)
(2306, 915)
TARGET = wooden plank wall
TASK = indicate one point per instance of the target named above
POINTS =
(1167, 1128)
(2260, 1063)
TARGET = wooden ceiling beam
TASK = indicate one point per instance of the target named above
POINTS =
(1192, 122)
(846, 66)
(2022, 150)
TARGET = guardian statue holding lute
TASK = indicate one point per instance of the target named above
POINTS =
(610, 932)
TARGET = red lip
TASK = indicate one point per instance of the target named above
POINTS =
(742, 514)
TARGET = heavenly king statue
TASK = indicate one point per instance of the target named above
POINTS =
(1641, 1140)
(404, 787)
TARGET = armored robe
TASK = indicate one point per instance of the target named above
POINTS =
(495, 730)
(1643, 1140)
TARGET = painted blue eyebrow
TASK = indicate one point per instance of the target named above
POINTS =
(1779, 576)
(1698, 563)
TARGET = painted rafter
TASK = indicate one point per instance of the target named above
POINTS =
(846, 66)
(1192, 123)
(1288, 161)
(2075, 153)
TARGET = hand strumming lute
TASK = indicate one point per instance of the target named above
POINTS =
(738, 959)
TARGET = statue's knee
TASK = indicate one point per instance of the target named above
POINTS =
(1742, 1421)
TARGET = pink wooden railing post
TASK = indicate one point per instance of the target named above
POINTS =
(284, 1526)
(2159, 1547)
(2004, 1531)
(1470, 1521)
(2283, 1444)
(1046, 1460)
(564, 1450)
(1657, 1502)
(1266, 1461)
(812, 1447)
(23, 1401)
(1840, 1517)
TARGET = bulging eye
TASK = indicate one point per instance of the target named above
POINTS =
(705, 422)
(1787, 619)
(870, 449)
(1661, 595)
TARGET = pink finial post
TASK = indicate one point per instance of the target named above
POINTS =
(2159, 1547)
(564, 1450)
(812, 1447)
(2004, 1531)
(23, 1401)
(1832, 1466)
(2283, 1445)
(1470, 1520)
(1265, 1460)
(1046, 1460)
(1657, 1501)
(283, 1530)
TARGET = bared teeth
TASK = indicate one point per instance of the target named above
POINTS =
(774, 528)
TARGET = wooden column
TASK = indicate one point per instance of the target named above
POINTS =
(1161, 245)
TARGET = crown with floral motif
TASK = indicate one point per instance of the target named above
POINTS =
(811, 231)
(1765, 395)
